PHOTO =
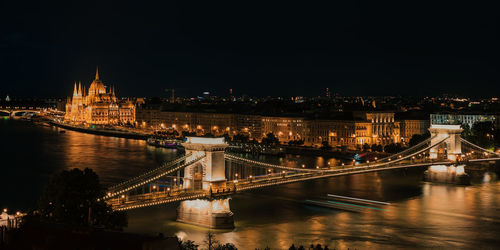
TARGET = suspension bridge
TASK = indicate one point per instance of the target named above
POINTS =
(206, 184)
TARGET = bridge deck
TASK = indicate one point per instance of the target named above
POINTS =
(413, 157)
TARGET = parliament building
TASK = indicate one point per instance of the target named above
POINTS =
(98, 106)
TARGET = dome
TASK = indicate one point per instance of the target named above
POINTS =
(97, 87)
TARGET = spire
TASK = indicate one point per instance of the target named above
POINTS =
(97, 73)
(80, 88)
(74, 90)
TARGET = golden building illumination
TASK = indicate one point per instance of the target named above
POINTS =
(98, 106)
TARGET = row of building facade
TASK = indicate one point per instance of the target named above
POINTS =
(366, 127)
(100, 106)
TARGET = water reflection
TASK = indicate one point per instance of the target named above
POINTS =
(421, 214)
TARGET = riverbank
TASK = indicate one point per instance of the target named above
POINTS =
(58, 236)
(113, 133)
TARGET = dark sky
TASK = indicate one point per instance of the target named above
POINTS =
(258, 48)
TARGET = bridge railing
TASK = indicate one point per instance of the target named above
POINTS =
(232, 157)
(399, 157)
(164, 166)
(481, 149)
(393, 159)
(388, 158)
(297, 177)
(154, 175)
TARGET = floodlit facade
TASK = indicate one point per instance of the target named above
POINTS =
(457, 119)
(365, 128)
(408, 128)
(98, 106)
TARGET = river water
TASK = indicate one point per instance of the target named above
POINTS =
(421, 214)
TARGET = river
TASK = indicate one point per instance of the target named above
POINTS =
(421, 214)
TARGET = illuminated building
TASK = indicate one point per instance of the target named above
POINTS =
(284, 128)
(98, 106)
(364, 127)
(469, 119)
(409, 128)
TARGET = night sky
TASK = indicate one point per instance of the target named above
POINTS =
(256, 48)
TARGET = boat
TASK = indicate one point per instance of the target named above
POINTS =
(164, 142)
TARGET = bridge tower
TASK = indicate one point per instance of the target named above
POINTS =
(452, 144)
(209, 173)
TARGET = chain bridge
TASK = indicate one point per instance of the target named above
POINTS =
(206, 183)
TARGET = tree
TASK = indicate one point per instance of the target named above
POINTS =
(466, 133)
(241, 138)
(393, 148)
(418, 138)
(75, 197)
(366, 147)
(213, 244)
(227, 138)
(481, 134)
(211, 241)
(270, 138)
(186, 133)
(325, 145)
(227, 246)
(377, 147)
(188, 245)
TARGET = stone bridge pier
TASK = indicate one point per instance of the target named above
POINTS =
(209, 173)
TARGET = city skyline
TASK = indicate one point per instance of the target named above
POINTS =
(259, 50)
(249, 125)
